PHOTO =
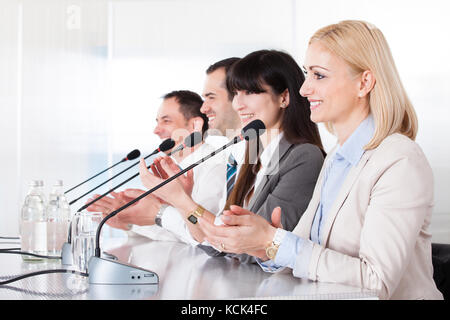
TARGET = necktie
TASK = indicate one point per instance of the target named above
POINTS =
(231, 177)
(231, 174)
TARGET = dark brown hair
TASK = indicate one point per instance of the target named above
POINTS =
(226, 64)
(190, 104)
(279, 71)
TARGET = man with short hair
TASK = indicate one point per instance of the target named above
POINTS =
(179, 110)
(224, 123)
(178, 116)
(217, 105)
(222, 120)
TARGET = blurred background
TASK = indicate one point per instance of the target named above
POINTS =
(81, 80)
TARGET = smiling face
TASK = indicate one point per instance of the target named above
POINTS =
(330, 86)
(265, 106)
(217, 105)
(170, 122)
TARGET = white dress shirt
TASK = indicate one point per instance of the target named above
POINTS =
(239, 154)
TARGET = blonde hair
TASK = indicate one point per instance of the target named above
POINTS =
(364, 47)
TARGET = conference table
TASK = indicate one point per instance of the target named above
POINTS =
(184, 271)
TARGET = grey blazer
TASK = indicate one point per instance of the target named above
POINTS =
(289, 184)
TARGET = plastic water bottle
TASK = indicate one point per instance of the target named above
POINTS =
(33, 226)
(58, 218)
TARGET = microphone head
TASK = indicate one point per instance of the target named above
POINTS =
(133, 154)
(193, 139)
(166, 145)
(253, 129)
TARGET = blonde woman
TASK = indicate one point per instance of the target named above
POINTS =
(367, 222)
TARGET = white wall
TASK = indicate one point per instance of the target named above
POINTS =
(81, 80)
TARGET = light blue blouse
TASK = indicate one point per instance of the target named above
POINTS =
(295, 252)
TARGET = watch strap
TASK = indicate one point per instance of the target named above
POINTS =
(197, 213)
(158, 218)
(272, 248)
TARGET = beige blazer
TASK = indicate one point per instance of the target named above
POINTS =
(376, 234)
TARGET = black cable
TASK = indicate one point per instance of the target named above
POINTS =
(13, 251)
(28, 254)
(10, 238)
(32, 274)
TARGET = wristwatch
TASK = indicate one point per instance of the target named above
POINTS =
(198, 212)
(272, 249)
(158, 218)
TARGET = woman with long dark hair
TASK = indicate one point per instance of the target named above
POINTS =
(281, 169)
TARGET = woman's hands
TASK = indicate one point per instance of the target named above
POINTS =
(243, 232)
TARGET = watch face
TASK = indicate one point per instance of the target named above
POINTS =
(270, 252)
(192, 219)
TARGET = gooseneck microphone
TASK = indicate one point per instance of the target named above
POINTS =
(131, 156)
(164, 146)
(66, 251)
(251, 131)
(104, 271)
(190, 141)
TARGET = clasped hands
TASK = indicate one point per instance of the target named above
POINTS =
(243, 231)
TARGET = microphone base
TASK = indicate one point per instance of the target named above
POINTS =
(121, 291)
(66, 254)
(104, 271)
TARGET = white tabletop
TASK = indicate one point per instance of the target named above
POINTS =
(184, 272)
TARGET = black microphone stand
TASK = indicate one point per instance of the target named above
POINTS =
(104, 271)
(116, 175)
(190, 141)
(134, 154)
(66, 250)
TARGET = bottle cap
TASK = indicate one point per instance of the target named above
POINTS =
(35, 183)
(58, 183)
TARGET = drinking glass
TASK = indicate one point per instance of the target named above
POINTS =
(84, 228)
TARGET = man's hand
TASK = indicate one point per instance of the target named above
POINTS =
(174, 192)
(141, 213)
(167, 168)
